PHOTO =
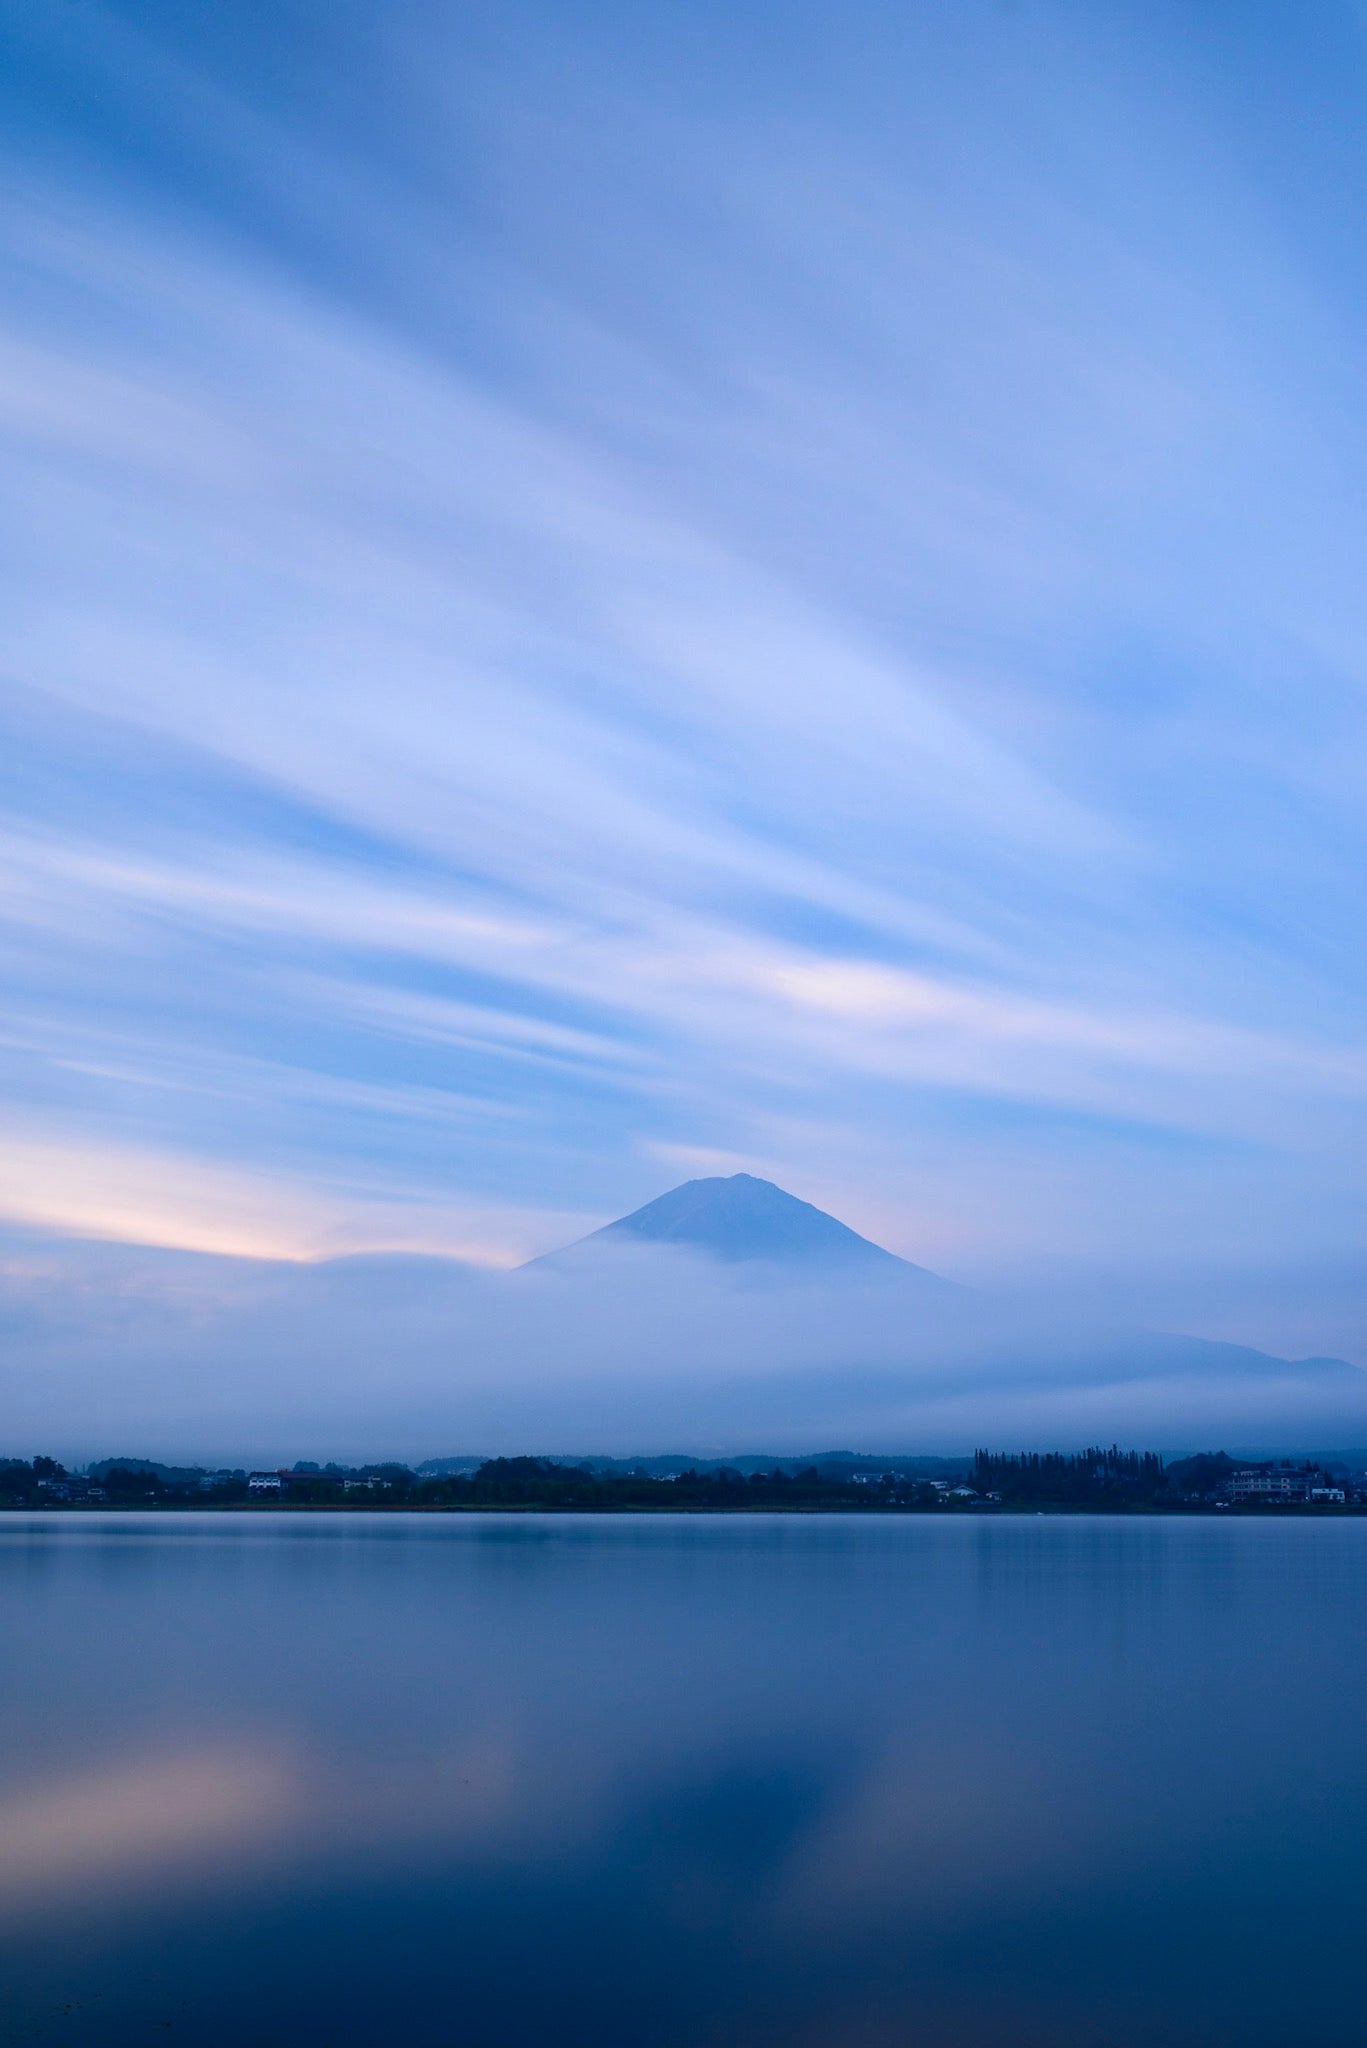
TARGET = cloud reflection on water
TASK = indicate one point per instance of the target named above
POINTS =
(786, 1780)
(138, 1820)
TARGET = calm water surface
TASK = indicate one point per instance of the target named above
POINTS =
(385, 1779)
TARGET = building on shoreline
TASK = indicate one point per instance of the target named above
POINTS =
(1283, 1482)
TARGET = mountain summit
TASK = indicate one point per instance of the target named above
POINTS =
(741, 1218)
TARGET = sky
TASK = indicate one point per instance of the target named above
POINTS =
(591, 595)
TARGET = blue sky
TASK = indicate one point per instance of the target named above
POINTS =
(597, 594)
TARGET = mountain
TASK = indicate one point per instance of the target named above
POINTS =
(740, 1219)
(666, 1331)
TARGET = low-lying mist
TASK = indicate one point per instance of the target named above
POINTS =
(116, 1349)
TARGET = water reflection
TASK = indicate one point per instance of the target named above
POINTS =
(766, 1781)
(136, 1820)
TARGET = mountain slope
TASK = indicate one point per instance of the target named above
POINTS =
(740, 1219)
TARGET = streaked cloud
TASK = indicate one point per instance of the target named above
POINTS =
(595, 619)
(133, 1195)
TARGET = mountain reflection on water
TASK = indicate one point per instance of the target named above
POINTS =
(350, 1779)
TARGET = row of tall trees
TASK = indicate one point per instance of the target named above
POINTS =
(1096, 1474)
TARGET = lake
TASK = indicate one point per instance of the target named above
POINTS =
(346, 1779)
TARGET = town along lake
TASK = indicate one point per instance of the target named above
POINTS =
(698, 1780)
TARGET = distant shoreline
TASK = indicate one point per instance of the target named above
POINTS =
(874, 1510)
(1106, 1481)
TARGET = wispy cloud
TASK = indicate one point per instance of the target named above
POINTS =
(820, 630)
(131, 1194)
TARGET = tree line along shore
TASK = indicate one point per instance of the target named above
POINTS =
(1095, 1479)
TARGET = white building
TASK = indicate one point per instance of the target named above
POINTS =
(1278, 1482)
